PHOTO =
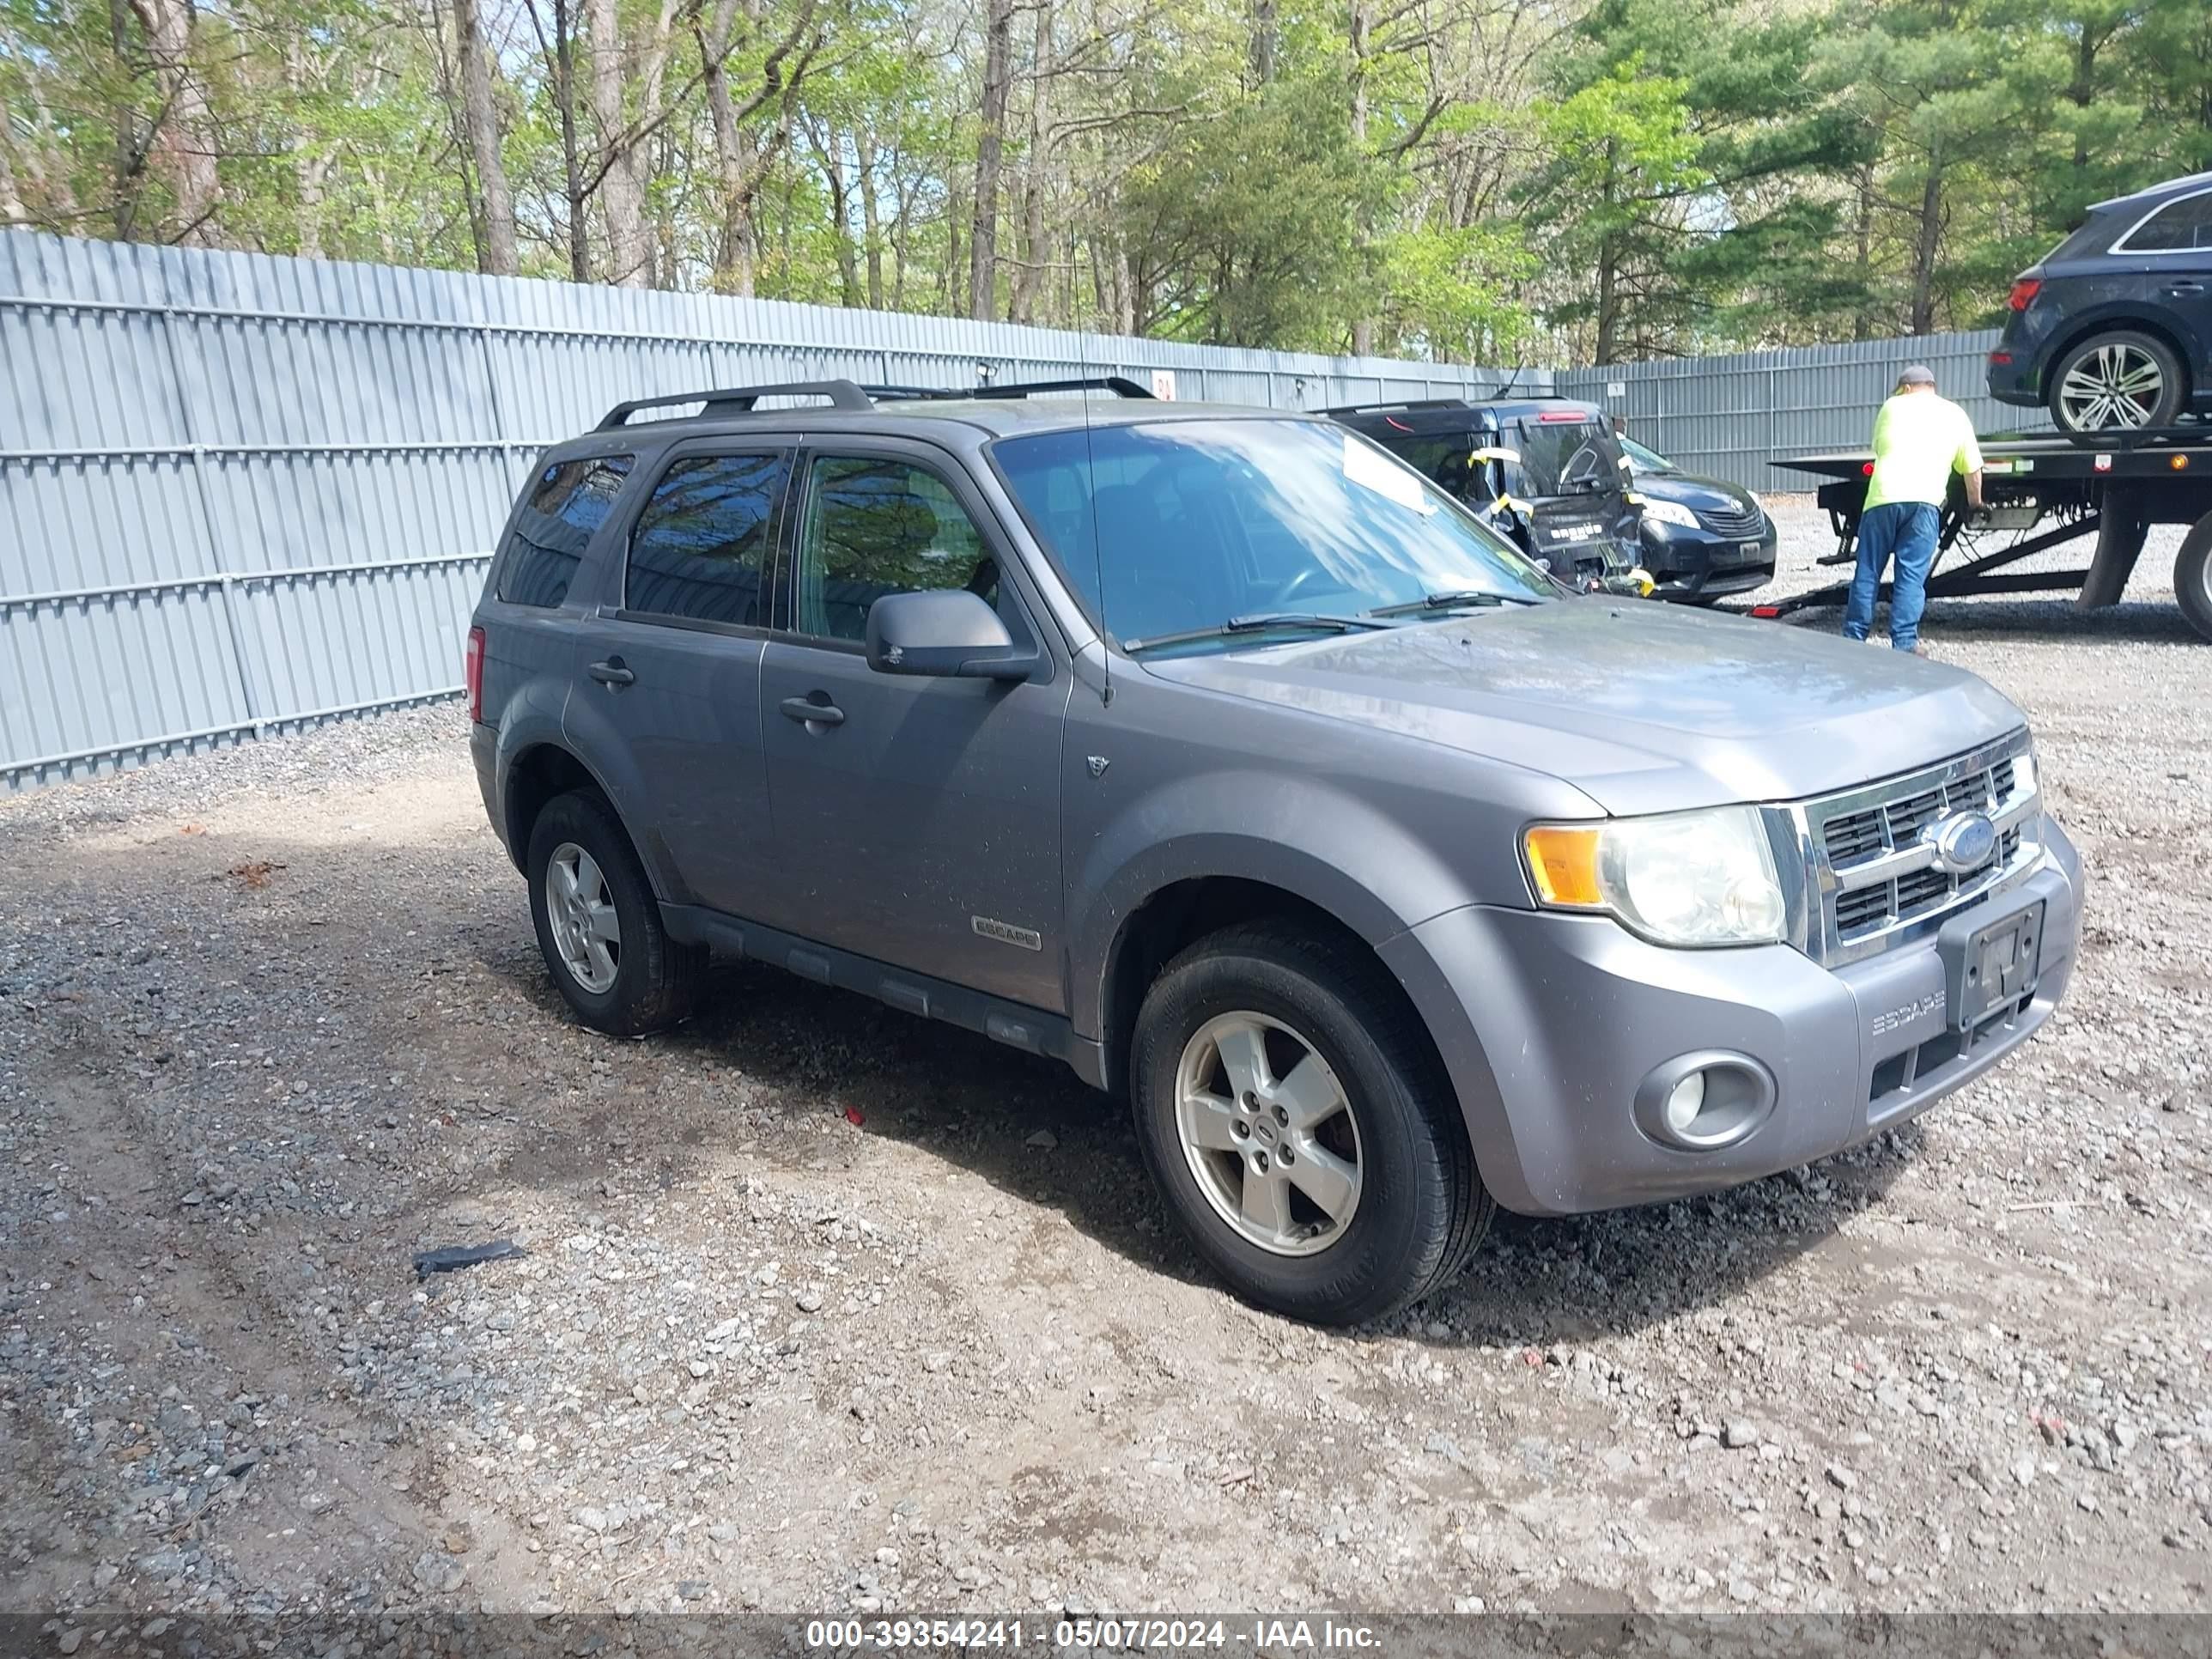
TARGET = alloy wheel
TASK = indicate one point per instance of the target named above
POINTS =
(587, 931)
(1269, 1133)
(2117, 384)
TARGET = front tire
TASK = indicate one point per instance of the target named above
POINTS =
(598, 924)
(1300, 1127)
(2121, 381)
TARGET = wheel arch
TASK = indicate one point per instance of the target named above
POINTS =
(539, 773)
(2121, 322)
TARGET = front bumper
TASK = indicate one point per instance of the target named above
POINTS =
(1697, 564)
(1550, 1024)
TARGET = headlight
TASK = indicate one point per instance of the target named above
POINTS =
(1670, 513)
(1689, 878)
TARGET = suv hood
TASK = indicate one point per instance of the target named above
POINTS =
(1645, 708)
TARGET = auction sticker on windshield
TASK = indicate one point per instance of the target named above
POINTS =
(1375, 470)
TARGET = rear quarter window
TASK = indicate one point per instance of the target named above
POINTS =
(567, 503)
(2180, 225)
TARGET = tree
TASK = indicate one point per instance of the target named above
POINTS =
(182, 136)
(481, 118)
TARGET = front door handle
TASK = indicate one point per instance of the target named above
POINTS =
(612, 672)
(2178, 289)
(812, 713)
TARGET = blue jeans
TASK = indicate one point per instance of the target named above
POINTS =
(1907, 529)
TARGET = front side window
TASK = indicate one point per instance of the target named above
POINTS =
(874, 527)
(2186, 223)
(1167, 526)
(566, 505)
(701, 545)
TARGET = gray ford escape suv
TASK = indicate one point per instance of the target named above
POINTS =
(1221, 755)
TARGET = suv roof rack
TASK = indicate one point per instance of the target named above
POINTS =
(739, 400)
(850, 395)
(1400, 402)
(1120, 385)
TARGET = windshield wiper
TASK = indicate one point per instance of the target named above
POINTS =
(1259, 623)
(1462, 599)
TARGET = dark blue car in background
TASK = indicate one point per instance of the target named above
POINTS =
(2113, 331)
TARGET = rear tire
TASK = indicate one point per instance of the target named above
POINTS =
(598, 923)
(2192, 576)
(2124, 381)
(1378, 1203)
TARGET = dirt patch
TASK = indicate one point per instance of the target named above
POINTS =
(808, 1323)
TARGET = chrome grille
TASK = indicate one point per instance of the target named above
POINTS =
(1731, 521)
(1877, 881)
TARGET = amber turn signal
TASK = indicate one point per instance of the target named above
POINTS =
(1563, 864)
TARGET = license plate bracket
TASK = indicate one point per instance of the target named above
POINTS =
(1992, 965)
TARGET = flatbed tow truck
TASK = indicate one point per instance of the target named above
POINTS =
(2043, 493)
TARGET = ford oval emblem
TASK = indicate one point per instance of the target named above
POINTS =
(1963, 841)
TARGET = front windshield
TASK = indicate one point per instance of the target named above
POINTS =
(1168, 526)
(1646, 459)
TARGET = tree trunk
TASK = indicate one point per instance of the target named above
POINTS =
(737, 254)
(1036, 254)
(12, 211)
(622, 193)
(832, 162)
(313, 172)
(872, 229)
(1266, 40)
(1862, 323)
(1923, 250)
(948, 278)
(480, 118)
(742, 164)
(1363, 29)
(1608, 275)
(184, 142)
(564, 95)
(990, 150)
(129, 161)
(311, 161)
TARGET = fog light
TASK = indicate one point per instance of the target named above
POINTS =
(1687, 1100)
(1704, 1101)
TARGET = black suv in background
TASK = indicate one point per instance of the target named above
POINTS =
(2113, 329)
(1545, 472)
(1703, 538)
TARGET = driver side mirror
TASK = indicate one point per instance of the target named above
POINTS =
(947, 633)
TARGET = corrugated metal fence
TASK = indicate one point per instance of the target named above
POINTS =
(1730, 416)
(240, 493)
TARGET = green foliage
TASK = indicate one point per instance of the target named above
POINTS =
(1474, 180)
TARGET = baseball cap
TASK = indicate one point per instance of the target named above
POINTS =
(1917, 374)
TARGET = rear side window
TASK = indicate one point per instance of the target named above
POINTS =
(568, 502)
(2186, 223)
(701, 544)
(1444, 459)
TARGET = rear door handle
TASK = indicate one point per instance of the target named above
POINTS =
(816, 713)
(2184, 287)
(612, 672)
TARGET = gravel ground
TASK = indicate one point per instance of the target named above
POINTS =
(824, 1309)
